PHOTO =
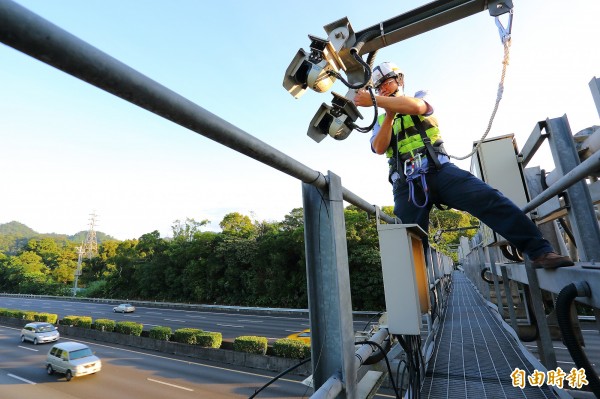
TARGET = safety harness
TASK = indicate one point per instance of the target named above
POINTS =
(413, 166)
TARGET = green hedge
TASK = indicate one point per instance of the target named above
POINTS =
(17, 314)
(250, 344)
(51, 318)
(209, 339)
(104, 325)
(77, 321)
(129, 328)
(29, 316)
(291, 349)
(187, 335)
(160, 332)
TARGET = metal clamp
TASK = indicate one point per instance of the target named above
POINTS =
(382, 33)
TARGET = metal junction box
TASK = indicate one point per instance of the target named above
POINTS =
(496, 163)
(404, 276)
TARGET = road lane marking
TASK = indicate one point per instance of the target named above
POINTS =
(250, 321)
(189, 362)
(171, 385)
(21, 379)
(153, 313)
(198, 317)
(230, 325)
(29, 349)
(180, 321)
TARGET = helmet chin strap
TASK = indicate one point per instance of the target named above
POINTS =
(397, 92)
(399, 89)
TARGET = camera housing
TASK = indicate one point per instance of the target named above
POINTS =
(336, 120)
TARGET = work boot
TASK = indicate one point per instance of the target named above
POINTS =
(551, 260)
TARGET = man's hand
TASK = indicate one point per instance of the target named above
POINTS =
(363, 98)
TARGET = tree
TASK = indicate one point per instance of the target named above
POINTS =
(188, 229)
(447, 222)
(236, 224)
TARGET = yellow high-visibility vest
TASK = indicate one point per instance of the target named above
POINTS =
(410, 142)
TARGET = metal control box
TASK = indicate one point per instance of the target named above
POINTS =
(404, 276)
(496, 163)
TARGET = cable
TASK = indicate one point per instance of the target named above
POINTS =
(565, 226)
(401, 379)
(371, 319)
(413, 374)
(387, 362)
(375, 115)
(279, 376)
(354, 52)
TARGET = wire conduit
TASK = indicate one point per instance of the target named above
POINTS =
(565, 298)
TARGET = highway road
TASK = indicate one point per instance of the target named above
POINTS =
(231, 325)
(128, 373)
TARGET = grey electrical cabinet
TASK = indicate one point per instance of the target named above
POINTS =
(405, 280)
(496, 163)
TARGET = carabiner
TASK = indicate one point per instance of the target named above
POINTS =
(505, 32)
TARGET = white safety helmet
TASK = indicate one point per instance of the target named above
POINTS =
(384, 71)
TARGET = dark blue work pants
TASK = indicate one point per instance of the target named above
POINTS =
(460, 190)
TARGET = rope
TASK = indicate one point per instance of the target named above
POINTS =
(507, 43)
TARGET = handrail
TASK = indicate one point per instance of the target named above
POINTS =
(31, 34)
(592, 164)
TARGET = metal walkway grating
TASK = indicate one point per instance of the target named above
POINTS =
(475, 354)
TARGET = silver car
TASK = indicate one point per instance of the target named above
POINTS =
(39, 332)
(73, 359)
(124, 308)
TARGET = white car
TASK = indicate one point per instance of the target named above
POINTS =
(72, 359)
(39, 332)
(124, 308)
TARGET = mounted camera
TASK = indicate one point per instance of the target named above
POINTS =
(313, 70)
(317, 70)
(336, 120)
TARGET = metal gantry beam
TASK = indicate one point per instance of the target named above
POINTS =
(420, 20)
(29, 33)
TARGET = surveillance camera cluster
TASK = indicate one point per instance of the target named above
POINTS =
(318, 70)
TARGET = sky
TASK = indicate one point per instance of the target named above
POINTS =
(70, 150)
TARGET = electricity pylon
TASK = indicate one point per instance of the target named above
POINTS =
(88, 248)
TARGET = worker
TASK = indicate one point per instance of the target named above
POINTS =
(422, 175)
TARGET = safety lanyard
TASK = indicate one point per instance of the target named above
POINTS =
(413, 170)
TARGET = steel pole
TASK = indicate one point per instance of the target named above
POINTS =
(582, 215)
(328, 280)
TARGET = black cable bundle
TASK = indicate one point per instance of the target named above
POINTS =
(412, 347)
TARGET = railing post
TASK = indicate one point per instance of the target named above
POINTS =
(581, 208)
(509, 299)
(328, 279)
(545, 347)
(492, 251)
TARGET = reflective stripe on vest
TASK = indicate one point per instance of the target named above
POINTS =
(412, 141)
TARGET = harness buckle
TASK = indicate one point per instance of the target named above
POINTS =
(412, 164)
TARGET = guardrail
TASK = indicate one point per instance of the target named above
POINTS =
(187, 306)
(569, 195)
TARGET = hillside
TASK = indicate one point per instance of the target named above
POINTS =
(15, 235)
